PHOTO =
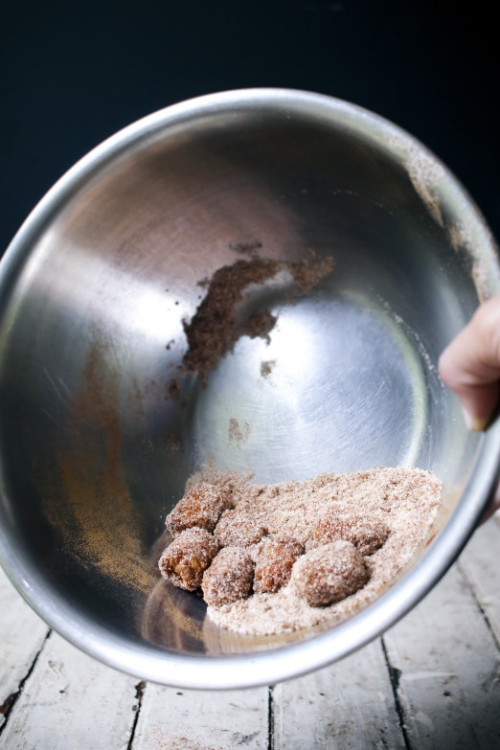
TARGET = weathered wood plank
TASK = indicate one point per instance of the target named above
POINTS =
(195, 720)
(22, 634)
(480, 563)
(444, 656)
(71, 701)
(448, 670)
(347, 705)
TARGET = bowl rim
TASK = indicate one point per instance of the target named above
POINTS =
(291, 660)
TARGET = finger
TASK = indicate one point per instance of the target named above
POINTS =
(470, 365)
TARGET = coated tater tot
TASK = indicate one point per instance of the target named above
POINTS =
(367, 536)
(185, 560)
(328, 574)
(229, 577)
(201, 506)
(238, 529)
(274, 564)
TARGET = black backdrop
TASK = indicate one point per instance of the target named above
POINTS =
(73, 73)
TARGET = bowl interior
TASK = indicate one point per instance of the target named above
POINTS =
(100, 428)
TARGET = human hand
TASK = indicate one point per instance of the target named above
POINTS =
(470, 366)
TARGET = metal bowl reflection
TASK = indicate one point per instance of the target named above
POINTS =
(94, 292)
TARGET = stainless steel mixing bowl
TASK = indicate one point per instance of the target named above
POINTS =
(95, 448)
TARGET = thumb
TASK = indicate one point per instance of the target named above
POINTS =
(470, 365)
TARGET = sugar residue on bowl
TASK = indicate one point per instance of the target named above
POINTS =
(85, 488)
(218, 323)
(298, 554)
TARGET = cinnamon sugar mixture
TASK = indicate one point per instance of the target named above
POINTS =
(216, 325)
(296, 554)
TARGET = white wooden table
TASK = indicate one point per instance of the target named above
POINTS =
(432, 681)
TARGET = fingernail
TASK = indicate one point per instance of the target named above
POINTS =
(475, 424)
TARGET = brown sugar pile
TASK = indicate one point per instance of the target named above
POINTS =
(278, 558)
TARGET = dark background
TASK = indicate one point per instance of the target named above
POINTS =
(73, 73)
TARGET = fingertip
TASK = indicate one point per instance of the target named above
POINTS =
(442, 365)
(474, 423)
(449, 369)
